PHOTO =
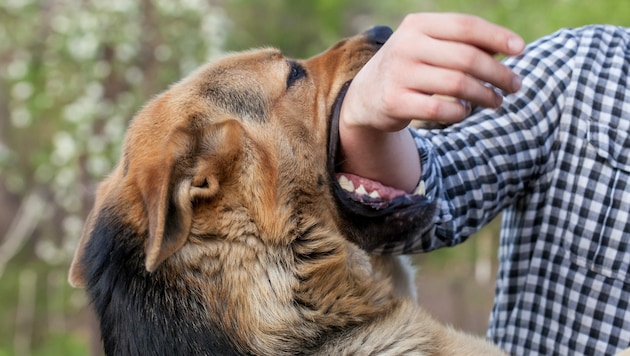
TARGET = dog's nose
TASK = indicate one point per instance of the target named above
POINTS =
(379, 34)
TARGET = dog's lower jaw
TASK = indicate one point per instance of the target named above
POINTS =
(372, 221)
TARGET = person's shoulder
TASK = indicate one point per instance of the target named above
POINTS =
(598, 29)
(566, 43)
(594, 33)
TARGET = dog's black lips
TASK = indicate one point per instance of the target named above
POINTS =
(374, 223)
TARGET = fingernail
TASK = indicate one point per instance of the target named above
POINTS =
(516, 44)
(498, 100)
(466, 106)
(516, 83)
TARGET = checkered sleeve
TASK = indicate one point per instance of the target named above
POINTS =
(555, 160)
(478, 167)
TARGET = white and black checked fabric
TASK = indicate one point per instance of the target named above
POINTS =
(555, 159)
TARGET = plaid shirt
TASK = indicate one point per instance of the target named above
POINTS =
(555, 159)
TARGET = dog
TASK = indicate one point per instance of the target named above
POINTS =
(224, 229)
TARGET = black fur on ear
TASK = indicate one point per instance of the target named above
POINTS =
(76, 276)
(142, 312)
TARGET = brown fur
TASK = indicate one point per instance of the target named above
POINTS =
(219, 224)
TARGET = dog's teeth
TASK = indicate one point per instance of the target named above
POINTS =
(375, 195)
(361, 190)
(346, 184)
(420, 189)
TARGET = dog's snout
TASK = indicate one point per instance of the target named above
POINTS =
(379, 34)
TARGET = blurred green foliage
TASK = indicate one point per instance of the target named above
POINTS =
(304, 28)
(73, 72)
(535, 18)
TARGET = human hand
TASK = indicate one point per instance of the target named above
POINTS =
(428, 57)
(445, 54)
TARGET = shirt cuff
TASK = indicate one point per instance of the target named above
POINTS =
(429, 183)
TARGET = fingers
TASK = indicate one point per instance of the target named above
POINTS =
(467, 29)
(428, 57)
(462, 43)
(394, 107)
(468, 60)
(433, 108)
(453, 83)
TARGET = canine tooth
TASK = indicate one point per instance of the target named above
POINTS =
(375, 195)
(346, 184)
(420, 189)
(361, 190)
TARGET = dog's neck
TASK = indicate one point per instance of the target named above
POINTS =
(314, 292)
(292, 297)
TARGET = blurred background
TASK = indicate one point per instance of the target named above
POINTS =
(72, 74)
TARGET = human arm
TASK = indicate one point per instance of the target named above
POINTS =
(445, 54)
(502, 160)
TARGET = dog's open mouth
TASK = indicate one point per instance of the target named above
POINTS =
(373, 214)
(372, 193)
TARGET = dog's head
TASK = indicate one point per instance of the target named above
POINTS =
(232, 169)
(252, 131)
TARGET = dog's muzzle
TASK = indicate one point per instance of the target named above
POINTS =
(379, 34)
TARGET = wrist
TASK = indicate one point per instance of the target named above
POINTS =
(390, 158)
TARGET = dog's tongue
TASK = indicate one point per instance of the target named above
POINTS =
(363, 186)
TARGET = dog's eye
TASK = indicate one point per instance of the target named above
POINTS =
(297, 72)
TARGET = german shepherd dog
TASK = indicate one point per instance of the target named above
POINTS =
(224, 229)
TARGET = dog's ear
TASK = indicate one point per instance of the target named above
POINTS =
(171, 190)
(76, 276)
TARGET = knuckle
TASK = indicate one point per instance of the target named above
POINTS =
(409, 20)
(414, 16)
(468, 60)
(457, 84)
(463, 23)
(416, 20)
(432, 108)
(389, 103)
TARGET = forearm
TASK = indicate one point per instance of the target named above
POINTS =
(390, 158)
